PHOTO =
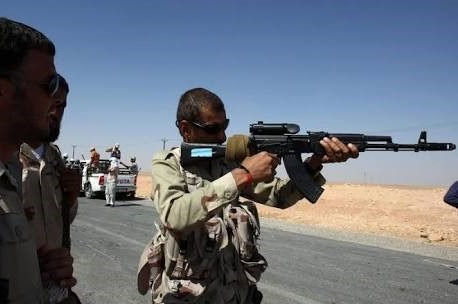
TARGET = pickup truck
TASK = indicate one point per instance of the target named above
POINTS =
(93, 180)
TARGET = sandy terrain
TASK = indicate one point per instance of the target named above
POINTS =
(415, 213)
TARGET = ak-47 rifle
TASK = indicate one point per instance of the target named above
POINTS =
(281, 139)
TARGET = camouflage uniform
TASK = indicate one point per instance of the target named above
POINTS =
(41, 190)
(203, 260)
(19, 270)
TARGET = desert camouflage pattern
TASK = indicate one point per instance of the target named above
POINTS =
(206, 247)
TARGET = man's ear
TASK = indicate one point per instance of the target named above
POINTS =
(185, 129)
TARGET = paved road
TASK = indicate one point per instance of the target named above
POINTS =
(306, 265)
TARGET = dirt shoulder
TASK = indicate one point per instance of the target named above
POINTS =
(414, 213)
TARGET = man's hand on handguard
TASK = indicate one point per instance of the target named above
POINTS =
(336, 152)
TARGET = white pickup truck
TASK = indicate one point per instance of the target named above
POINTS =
(94, 180)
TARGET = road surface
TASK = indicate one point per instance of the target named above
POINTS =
(305, 265)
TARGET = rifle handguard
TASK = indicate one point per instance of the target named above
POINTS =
(237, 148)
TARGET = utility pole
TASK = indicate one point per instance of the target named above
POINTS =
(73, 152)
(164, 140)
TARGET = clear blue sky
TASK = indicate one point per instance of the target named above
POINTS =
(374, 67)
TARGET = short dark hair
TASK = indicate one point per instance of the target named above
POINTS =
(63, 84)
(16, 39)
(192, 102)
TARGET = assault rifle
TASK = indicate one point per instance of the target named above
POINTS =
(281, 139)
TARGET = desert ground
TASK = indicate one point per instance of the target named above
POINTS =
(409, 212)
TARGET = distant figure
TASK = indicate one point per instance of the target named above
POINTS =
(133, 167)
(65, 159)
(95, 158)
(85, 173)
(115, 152)
(112, 178)
(451, 197)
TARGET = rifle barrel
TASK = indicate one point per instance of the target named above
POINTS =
(406, 147)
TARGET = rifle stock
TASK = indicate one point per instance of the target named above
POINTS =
(281, 139)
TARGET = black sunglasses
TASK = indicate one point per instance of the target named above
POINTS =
(50, 87)
(213, 127)
(210, 128)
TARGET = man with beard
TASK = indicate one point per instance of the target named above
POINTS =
(50, 191)
(28, 86)
(205, 250)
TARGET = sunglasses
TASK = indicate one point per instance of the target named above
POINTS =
(50, 87)
(210, 128)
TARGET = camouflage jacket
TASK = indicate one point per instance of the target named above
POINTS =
(203, 260)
